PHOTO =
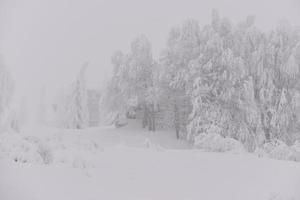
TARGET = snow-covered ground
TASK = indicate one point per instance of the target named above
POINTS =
(132, 164)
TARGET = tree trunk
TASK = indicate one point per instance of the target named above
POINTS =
(151, 118)
(150, 122)
(145, 116)
(265, 122)
(176, 120)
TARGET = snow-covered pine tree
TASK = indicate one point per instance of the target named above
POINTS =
(183, 47)
(132, 82)
(79, 101)
(140, 70)
(71, 104)
(113, 101)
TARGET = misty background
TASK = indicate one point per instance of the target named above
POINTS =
(45, 43)
(150, 99)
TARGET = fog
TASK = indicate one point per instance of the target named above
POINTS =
(191, 100)
(45, 42)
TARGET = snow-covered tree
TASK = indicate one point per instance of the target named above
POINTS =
(182, 48)
(79, 101)
(71, 104)
(132, 81)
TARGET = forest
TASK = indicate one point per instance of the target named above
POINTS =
(225, 79)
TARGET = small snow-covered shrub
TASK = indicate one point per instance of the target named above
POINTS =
(216, 143)
(147, 143)
(18, 149)
(29, 156)
(53, 149)
(150, 145)
(22, 149)
(45, 153)
(296, 146)
(79, 162)
(277, 149)
(281, 152)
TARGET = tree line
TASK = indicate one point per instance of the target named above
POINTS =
(230, 79)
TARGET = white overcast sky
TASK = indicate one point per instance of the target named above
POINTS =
(44, 42)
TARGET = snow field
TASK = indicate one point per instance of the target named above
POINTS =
(128, 163)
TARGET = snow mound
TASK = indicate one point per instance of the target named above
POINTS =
(296, 146)
(80, 162)
(24, 149)
(53, 149)
(216, 143)
(279, 150)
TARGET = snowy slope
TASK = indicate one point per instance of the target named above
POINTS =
(108, 163)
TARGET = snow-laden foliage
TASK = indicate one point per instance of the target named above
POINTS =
(182, 48)
(132, 84)
(49, 149)
(237, 78)
(244, 84)
(213, 141)
(25, 149)
(277, 149)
